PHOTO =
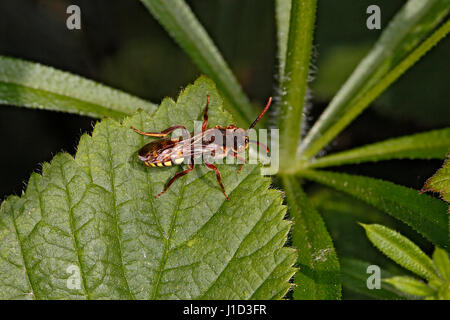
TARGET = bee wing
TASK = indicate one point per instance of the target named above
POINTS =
(180, 149)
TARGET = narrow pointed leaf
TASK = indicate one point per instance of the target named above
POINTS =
(423, 213)
(180, 22)
(94, 218)
(318, 277)
(442, 263)
(355, 277)
(282, 17)
(32, 85)
(411, 286)
(395, 52)
(402, 250)
(428, 145)
(294, 83)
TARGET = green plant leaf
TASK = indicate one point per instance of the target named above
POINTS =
(282, 17)
(339, 204)
(444, 292)
(28, 84)
(421, 212)
(402, 250)
(395, 52)
(427, 145)
(180, 22)
(97, 214)
(411, 286)
(341, 213)
(293, 84)
(440, 181)
(318, 277)
(442, 263)
(354, 278)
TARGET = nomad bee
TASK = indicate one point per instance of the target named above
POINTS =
(218, 142)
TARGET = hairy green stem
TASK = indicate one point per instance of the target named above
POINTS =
(295, 79)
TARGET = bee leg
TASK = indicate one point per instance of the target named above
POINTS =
(159, 134)
(205, 114)
(240, 159)
(175, 177)
(218, 176)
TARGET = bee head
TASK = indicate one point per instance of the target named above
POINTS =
(240, 139)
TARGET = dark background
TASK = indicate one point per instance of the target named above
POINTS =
(121, 45)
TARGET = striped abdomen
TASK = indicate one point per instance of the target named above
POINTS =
(161, 153)
(168, 163)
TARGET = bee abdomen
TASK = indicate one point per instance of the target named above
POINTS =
(167, 163)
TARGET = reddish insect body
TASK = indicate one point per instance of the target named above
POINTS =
(167, 152)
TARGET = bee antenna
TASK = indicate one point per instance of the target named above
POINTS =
(261, 114)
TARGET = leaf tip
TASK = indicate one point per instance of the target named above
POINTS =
(365, 226)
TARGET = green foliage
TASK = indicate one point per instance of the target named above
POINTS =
(404, 252)
(423, 213)
(97, 212)
(440, 182)
(411, 286)
(394, 53)
(33, 85)
(294, 80)
(401, 250)
(428, 145)
(283, 15)
(317, 260)
(341, 214)
(442, 263)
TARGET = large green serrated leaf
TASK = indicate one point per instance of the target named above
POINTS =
(318, 277)
(33, 85)
(97, 214)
